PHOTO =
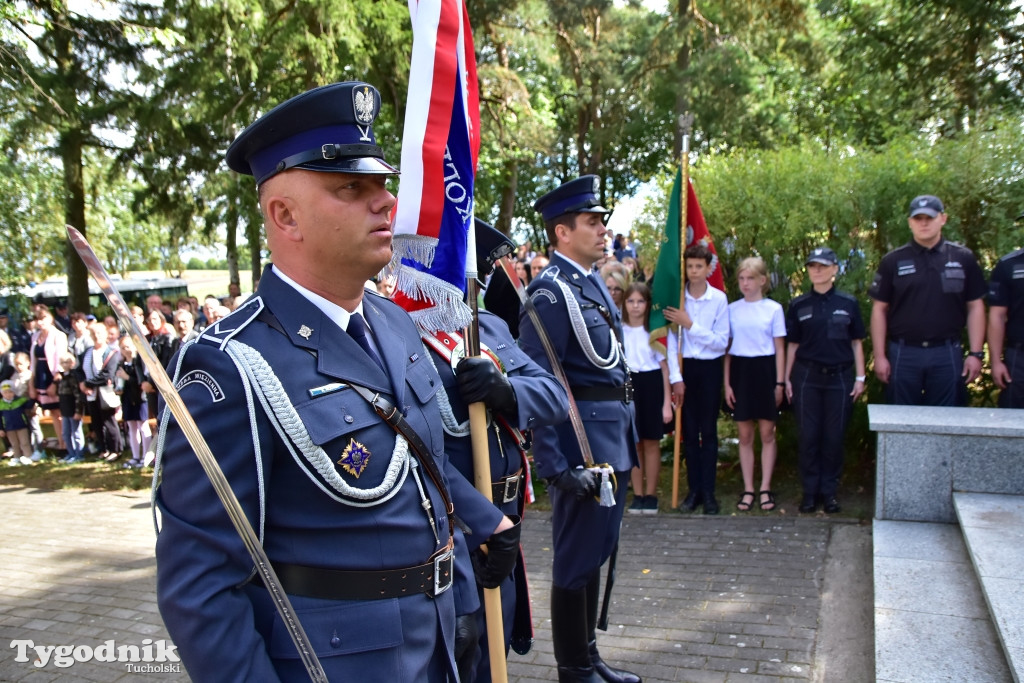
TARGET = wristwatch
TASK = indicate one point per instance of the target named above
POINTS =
(980, 355)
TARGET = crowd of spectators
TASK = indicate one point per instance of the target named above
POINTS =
(82, 375)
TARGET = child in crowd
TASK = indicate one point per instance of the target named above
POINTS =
(134, 412)
(14, 424)
(754, 373)
(72, 407)
(651, 397)
(704, 321)
(20, 380)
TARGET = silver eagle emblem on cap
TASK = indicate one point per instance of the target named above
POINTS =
(363, 104)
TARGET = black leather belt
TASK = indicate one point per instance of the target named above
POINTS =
(622, 393)
(927, 343)
(826, 369)
(431, 578)
(506, 489)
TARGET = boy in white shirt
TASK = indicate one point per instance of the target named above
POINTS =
(705, 324)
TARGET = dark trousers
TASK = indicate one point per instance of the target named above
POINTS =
(1013, 395)
(104, 424)
(701, 404)
(926, 376)
(583, 534)
(822, 406)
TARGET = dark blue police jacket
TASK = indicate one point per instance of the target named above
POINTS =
(225, 627)
(609, 425)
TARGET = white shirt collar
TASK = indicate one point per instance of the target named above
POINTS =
(332, 310)
(585, 271)
(705, 295)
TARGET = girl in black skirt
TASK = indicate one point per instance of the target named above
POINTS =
(754, 370)
(651, 397)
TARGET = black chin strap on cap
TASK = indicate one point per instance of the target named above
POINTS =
(359, 157)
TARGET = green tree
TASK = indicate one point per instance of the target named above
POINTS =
(64, 67)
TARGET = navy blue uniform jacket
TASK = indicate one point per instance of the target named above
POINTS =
(227, 629)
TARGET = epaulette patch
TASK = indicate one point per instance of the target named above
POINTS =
(221, 332)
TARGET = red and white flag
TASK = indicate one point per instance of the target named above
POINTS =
(440, 146)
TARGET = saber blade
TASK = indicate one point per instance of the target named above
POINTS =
(188, 426)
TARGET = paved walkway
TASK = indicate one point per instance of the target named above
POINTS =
(730, 598)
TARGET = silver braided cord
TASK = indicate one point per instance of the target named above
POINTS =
(451, 425)
(579, 328)
(286, 420)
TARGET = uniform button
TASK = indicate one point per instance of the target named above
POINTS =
(349, 419)
(511, 361)
(335, 641)
(431, 382)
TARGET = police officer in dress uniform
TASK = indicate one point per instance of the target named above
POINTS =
(519, 395)
(1006, 328)
(924, 293)
(585, 327)
(824, 376)
(339, 501)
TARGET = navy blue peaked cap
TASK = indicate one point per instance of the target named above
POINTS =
(328, 129)
(491, 245)
(575, 196)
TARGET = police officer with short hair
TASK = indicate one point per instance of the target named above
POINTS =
(585, 327)
(824, 376)
(354, 517)
(1006, 328)
(924, 293)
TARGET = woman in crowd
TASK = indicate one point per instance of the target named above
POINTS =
(48, 343)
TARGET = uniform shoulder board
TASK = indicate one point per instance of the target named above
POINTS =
(1013, 254)
(221, 332)
(551, 272)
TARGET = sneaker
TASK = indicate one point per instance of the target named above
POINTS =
(25, 460)
(37, 456)
(13, 462)
(72, 459)
(637, 506)
(650, 505)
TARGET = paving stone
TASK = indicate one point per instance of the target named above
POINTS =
(705, 600)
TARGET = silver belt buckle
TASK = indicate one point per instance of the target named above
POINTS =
(444, 572)
(511, 488)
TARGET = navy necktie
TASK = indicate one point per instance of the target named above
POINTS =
(357, 330)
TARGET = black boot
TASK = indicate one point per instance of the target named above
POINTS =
(569, 635)
(606, 673)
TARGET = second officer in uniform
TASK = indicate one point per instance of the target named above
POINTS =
(585, 327)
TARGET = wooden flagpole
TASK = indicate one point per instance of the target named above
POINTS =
(684, 192)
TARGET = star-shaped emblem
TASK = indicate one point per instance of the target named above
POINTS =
(354, 458)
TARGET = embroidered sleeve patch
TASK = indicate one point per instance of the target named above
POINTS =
(204, 378)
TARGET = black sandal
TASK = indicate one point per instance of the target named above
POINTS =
(744, 506)
(767, 505)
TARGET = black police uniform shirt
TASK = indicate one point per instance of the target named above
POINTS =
(1006, 288)
(824, 325)
(927, 290)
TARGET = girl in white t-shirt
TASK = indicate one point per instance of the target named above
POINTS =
(652, 398)
(754, 372)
